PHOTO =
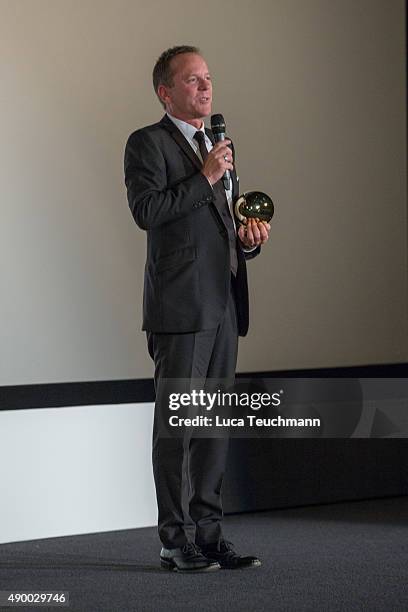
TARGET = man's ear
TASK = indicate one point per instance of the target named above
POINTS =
(162, 93)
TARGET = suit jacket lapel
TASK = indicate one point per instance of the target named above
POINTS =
(210, 135)
(181, 141)
(235, 185)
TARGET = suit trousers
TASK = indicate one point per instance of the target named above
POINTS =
(188, 471)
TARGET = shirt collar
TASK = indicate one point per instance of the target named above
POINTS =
(186, 129)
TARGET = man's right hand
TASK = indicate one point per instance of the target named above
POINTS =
(218, 161)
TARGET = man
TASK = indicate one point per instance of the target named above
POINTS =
(195, 296)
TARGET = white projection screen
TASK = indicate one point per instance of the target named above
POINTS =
(314, 96)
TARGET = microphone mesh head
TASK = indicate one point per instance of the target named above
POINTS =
(218, 124)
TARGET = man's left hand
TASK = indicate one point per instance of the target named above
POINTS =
(254, 233)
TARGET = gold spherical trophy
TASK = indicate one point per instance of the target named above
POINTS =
(255, 205)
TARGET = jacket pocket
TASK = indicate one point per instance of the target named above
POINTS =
(176, 258)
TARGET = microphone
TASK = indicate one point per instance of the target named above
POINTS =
(218, 129)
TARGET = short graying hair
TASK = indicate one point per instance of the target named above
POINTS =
(162, 73)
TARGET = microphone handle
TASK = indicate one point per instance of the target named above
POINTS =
(226, 179)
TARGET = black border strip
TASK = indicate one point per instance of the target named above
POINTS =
(88, 393)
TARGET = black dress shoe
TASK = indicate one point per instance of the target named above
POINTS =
(224, 553)
(187, 559)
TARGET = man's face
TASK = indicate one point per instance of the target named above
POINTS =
(190, 96)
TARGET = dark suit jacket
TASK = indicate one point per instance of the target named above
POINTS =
(187, 271)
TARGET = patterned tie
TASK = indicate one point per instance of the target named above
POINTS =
(200, 138)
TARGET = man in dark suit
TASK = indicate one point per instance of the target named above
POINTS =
(195, 296)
